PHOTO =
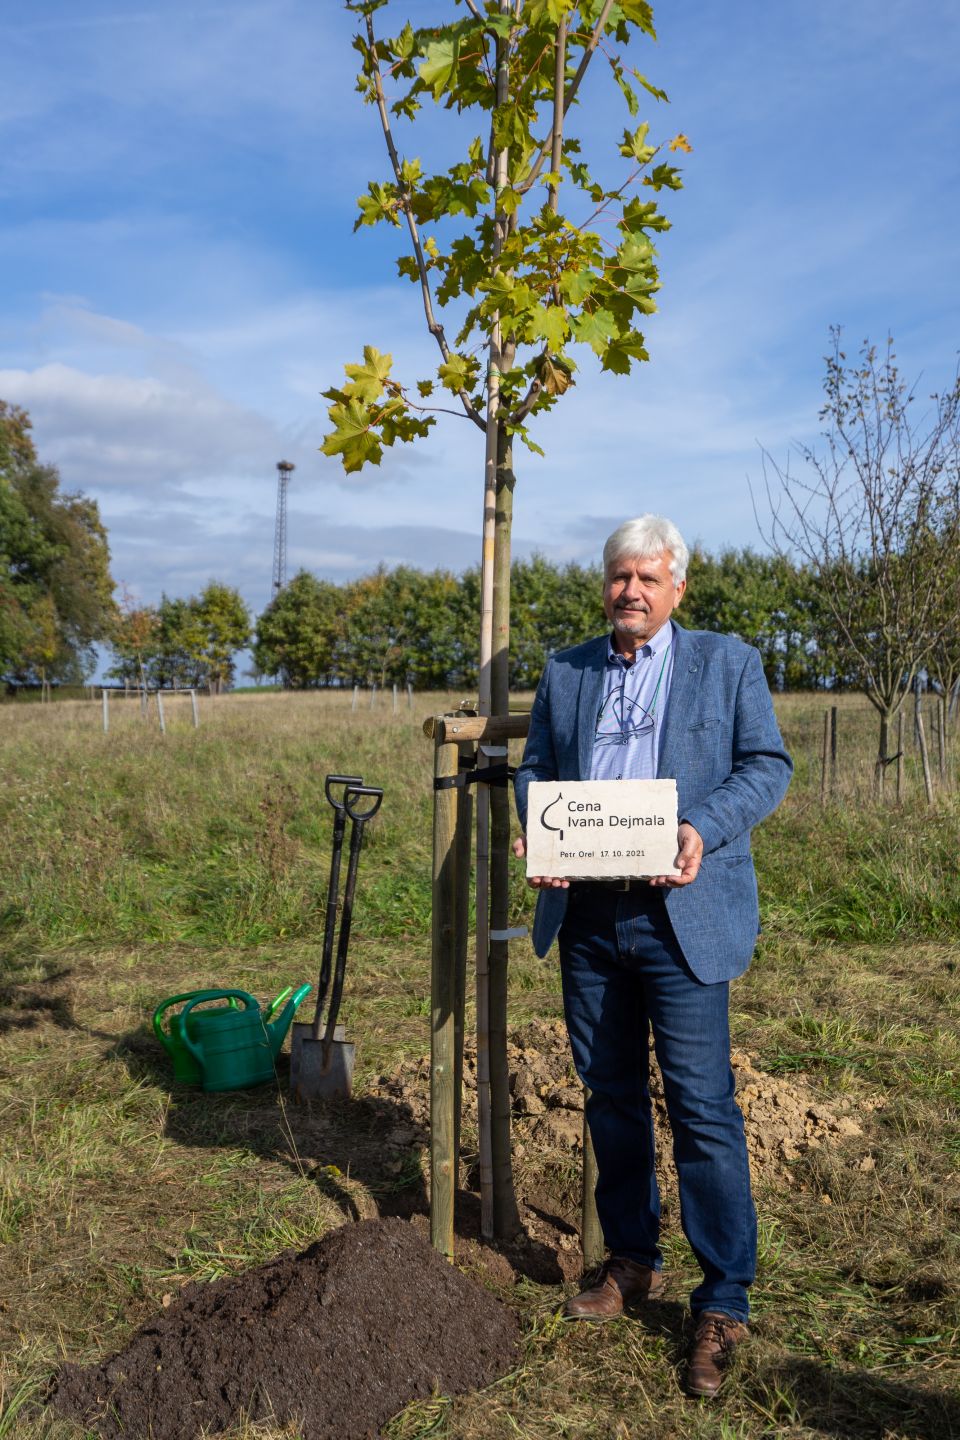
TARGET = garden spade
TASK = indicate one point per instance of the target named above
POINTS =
(321, 1067)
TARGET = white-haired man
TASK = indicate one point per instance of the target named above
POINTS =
(654, 700)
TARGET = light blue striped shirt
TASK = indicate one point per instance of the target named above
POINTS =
(628, 724)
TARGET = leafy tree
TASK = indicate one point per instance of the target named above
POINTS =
(768, 601)
(298, 633)
(194, 641)
(133, 638)
(175, 660)
(525, 281)
(55, 586)
(223, 622)
(861, 515)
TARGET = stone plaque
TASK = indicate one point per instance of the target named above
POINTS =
(602, 829)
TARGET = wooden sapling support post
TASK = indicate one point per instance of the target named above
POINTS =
(942, 737)
(454, 736)
(833, 751)
(356, 691)
(394, 699)
(825, 757)
(106, 709)
(443, 1059)
(467, 752)
(900, 728)
(924, 756)
(163, 723)
(195, 708)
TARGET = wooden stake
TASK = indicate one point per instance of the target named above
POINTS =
(942, 737)
(106, 710)
(900, 730)
(833, 751)
(409, 696)
(591, 1235)
(373, 695)
(443, 1004)
(356, 691)
(825, 757)
(195, 709)
(925, 758)
(464, 846)
(394, 699)
(163, 727)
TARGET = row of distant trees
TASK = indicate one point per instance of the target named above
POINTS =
(407, 625)
(184, 643)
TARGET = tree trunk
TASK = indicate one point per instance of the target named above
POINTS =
(494, 365)
(506, 1217)
(881, 767)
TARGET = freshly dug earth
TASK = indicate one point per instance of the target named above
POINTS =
(783, 1119)
(337, 1339)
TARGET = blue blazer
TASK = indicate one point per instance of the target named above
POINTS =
(719, 741)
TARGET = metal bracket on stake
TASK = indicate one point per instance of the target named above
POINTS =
(469, 775)
(517, 933)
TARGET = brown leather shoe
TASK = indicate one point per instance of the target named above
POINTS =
(714, 1341)
(620, 1282)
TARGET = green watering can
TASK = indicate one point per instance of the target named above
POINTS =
(229, 1047)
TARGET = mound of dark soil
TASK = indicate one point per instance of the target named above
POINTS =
(337, 1339)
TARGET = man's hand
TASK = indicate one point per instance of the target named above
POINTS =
(539, 882)
(689, 856)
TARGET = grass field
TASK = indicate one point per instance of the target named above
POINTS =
(136, 865)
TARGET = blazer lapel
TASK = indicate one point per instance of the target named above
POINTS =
(588, 703)
(680, 703)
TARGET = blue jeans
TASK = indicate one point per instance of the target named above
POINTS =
(624, 973)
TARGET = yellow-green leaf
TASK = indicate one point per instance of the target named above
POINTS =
(367, 381)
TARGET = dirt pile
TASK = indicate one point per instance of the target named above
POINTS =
(783, 1119)
(337, 1339)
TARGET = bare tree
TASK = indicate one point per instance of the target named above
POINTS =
(943, 663)
(874, 512)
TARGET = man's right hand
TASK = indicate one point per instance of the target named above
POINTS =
(538, 882)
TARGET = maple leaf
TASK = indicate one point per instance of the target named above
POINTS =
(680, 142)
(368, 380)
(351, 437)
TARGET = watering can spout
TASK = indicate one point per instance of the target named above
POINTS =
(277, 1029)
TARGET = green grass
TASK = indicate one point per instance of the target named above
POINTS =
(134, 866)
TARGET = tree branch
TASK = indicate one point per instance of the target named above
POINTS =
(433, 324)
(568, 99)
(527, 403)
(559, 74)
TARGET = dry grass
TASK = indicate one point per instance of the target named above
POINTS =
(135, 866)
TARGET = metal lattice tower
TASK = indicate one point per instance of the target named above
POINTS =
(284, 470)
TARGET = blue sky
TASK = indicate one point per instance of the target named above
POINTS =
(181, 280)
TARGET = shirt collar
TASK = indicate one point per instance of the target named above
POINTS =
(660, 643)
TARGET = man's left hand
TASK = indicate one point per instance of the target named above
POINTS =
(689, 856)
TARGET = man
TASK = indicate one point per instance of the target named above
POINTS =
(654, 700)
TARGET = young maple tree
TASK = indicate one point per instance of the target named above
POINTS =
(531, 256)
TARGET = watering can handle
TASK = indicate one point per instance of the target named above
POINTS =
(274, 1005)
(158, 1029)
(354, 793)
(181, 1019)
(348, 780)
